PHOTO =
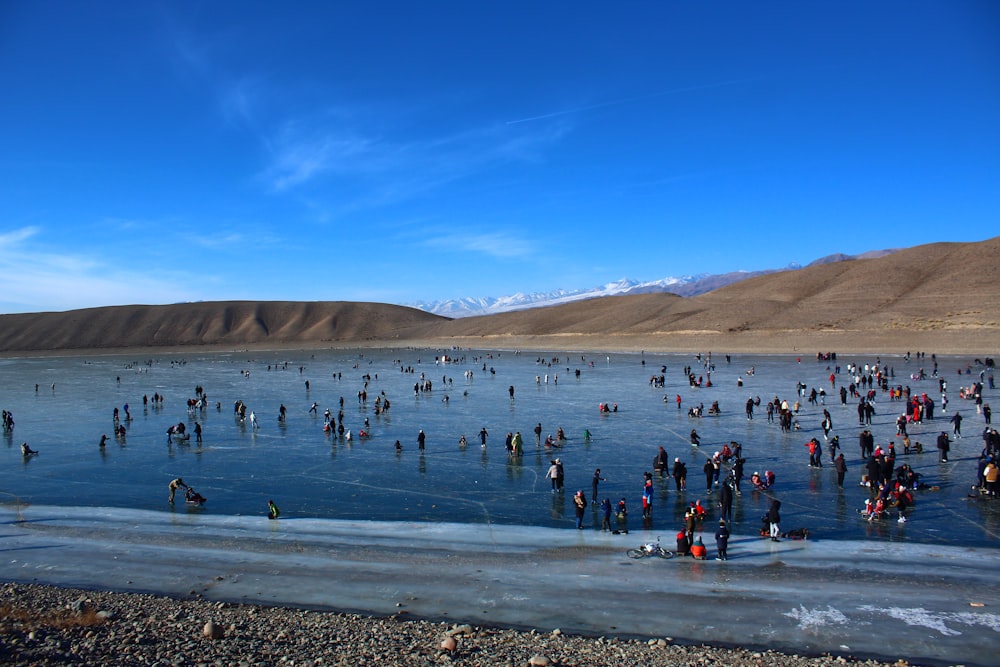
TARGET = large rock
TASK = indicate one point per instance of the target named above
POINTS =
(213, 631)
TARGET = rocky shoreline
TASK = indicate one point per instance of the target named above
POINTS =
(45, 625)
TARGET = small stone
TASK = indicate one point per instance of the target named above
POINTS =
(556, 632)
(449, 644)
(213, 631)
(539, 661)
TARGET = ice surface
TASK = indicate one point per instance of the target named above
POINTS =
(312, 474)
(845, 597)
(468, 534)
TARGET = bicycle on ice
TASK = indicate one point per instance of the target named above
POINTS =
(650, 549)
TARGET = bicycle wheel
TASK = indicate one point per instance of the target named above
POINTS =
(664, 553)
(635, 553)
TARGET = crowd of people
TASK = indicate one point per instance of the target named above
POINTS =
(893, 485)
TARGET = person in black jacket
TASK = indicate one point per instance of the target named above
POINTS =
(774, 518)
(726, 500)
(680, 475)
(943, 445)
(661, 461)
(874, 474)
(722, 540)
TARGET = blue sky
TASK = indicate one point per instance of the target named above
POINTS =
(159, 152)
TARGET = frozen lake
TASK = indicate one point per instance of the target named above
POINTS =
(313, 474)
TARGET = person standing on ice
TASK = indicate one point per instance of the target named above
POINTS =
(606, 515)
(580, 507)
(553, 474)
(840, 465)
(594, 484)
(774, 519)
(680, 475)
(709, 470)
(943, 445)
(722, 540)
(726, 500)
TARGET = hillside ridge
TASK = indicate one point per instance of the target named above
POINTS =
(944, 295)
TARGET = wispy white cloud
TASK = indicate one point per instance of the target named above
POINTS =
(16, 236)
(239, 101)
(360, 154)
(629, 100)
(216, 241)
(500, 245)
(35, 280)
(297, 158)
(361, 171)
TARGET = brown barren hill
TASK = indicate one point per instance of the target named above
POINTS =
(946, 287)
(223, 323)
(942, 297)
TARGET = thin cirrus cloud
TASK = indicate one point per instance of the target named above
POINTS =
(382, 155)
(10, 240)
(32, 280)
(385, 170)
(299, 160)
(498, 245)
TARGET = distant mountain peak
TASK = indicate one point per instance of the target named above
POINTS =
(686, 286)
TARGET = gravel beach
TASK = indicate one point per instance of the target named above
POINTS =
(44, 625)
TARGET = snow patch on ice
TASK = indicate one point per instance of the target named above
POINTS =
(812, 620)
(991, 621)
(938, 621)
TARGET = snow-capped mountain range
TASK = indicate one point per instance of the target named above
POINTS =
(683, 286)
